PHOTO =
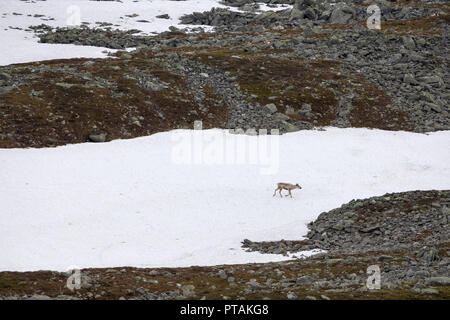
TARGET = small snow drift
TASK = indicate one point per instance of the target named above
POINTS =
(17, 16)
(129, 203)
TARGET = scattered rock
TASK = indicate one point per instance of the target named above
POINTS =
(97, 137)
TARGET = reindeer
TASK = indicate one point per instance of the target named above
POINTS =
(285, 186)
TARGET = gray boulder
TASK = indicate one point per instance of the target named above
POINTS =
(97, 137)
(341, 14)
(438, 281)
(271, 107)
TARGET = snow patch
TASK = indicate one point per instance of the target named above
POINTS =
(127, 203)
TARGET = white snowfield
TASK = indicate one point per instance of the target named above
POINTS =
(147, 202)
(21, 46)
(131, 202)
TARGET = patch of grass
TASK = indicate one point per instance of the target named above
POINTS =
(207, 284)
(295, 82)
(8, 283)
(284, 82)
(121, 108)
(371, 108)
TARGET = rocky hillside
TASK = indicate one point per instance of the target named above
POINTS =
(314, 65)
(397, 220)
(405, 234)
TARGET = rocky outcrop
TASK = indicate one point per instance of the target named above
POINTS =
(412, 221)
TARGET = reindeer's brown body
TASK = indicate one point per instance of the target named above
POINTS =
(285, 186)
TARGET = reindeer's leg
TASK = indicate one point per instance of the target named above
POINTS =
(280, 193)
(290, 193)
(275, 192)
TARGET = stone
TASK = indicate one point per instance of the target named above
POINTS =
(281, 117)
(97, 137)
(64, 85)
(66, 297)
(310, 14)
(341, 14)
(4, 76)
(438, 281)
(289, 127)
(427, 96)
(271, 107)
(429, 291)
(290, 110)
(222, 274)
(163, 16)
(39, 297)
(384, 258)
(291, 296)
(86, 281)
(306, 108)
(408, 42)
(188, 290)
(409, 79)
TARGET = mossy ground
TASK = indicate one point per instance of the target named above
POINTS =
(68, 113)
(122, 108)
(293, 82)
(123, 282)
